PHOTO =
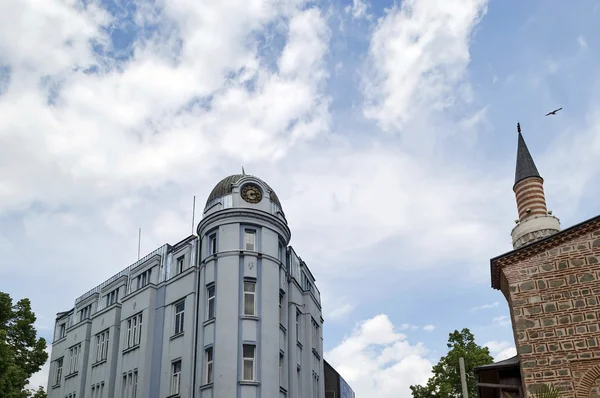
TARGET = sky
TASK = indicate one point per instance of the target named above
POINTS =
(387, 129)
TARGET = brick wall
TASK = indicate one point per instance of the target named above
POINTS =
(555, 308)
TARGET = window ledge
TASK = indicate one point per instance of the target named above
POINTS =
(282, 328)
(71, 375)
(175, 336)
(173, 396)
(56, 386)
(206, 386)
(208, 322)
(250, 317)
(132, 348)
(248, 383)
(100, 362)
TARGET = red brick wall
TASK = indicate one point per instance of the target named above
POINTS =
(555, 309)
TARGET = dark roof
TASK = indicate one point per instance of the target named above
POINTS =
(510, 362)
(225, 187)
(525, 164)
(541, 245)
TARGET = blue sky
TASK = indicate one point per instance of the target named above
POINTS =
(388, 130)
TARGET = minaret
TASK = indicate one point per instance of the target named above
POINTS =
(535, 222)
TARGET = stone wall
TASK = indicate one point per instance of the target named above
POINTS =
(554, 298)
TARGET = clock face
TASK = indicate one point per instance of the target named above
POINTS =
(251, 193)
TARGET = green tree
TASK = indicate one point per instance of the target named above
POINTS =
(21, 352)
(445, 382)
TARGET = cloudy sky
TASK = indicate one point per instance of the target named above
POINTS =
(387, 128)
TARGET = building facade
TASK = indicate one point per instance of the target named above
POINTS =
(335, 385)
(551, 281)
(230, 312)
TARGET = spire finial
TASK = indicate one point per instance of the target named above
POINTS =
(243, 171)
(519, 127)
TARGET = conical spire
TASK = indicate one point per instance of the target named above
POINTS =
(525, 164)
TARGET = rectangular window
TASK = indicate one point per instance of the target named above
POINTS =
(250, 240)
(210, 310)
(249, 298)
(297, 325)
(299, 375)
(112, 297)
(85, 313)
(62, 331)
(59, 368)
(179, 266)
(315, 334)
(179, 312)
(124, 393)
(175, 377)
(208, 355)
(249, 352)
(93, 391)
(74, 358)
(101, 346)
(280, 369)
(281, 252)
(281, 308)
(212, 244)
(144, 278)
(134, 331)
(101, 389)
(134, 387)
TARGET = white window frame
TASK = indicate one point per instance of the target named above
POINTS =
(212, 243)
(281, 369)
(134, 386)
(58, 370)
(210, 302)
(281, 251)
(74, 358)
(180, 262)
(281, 312)
(102, 345)
(298, 324)
(250, 246)
(208, 365)
(62, 330)
(249, 359)
(134, 331)
(250, 294)
(175, 377)
(179, 309)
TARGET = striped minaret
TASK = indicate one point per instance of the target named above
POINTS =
(534, 222)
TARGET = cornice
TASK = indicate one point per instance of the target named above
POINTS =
(243, 214)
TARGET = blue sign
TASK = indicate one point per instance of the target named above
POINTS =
(345, 390)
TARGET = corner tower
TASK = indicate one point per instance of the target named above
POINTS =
(535, 222)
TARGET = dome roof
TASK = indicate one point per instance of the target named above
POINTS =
(225, 187)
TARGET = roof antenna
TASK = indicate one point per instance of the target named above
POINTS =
(139, 242)
(243, 171)
(519, 127)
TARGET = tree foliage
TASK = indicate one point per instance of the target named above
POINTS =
(21, 353)
(445, 382)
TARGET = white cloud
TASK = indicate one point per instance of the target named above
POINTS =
(358, 9)
(582, 42)
(486, 306)
(429, 328)
(419, 54)
(501, 350)
(503, 320)
(377, 361)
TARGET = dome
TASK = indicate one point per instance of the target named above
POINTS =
(225, 187)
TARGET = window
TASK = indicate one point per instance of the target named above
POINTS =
(250, 239)
(299, 375)
(101, 346)
(249, 298)
(134, 387)
(112, 297)
(134, 331)
(208, 359)
(85, 313)
(175, 377)
(130, 380)
(124, 393)
(62, 331)
(58, 374)
(315, 334)
(212, 244)
(74, 358)
(144, 278)
(179, 309)
(179, 265)
(280, 369)
(249, 351)
(281, 308)
(281, 255)
(210, 310)
(297, 325)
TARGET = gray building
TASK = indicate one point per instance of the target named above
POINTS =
(230, 312)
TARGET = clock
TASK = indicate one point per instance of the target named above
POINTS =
(251, 193)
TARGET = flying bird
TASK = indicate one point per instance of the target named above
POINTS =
(553, 112)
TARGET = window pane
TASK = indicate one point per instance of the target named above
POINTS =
(180, 307)
(249, 304)
(248, 369)
(211, 291)
(249, 286)
(248, 351)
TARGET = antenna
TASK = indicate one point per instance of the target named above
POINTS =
(139, 242)
(519, 127)
(193, 214)
(243, 171)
